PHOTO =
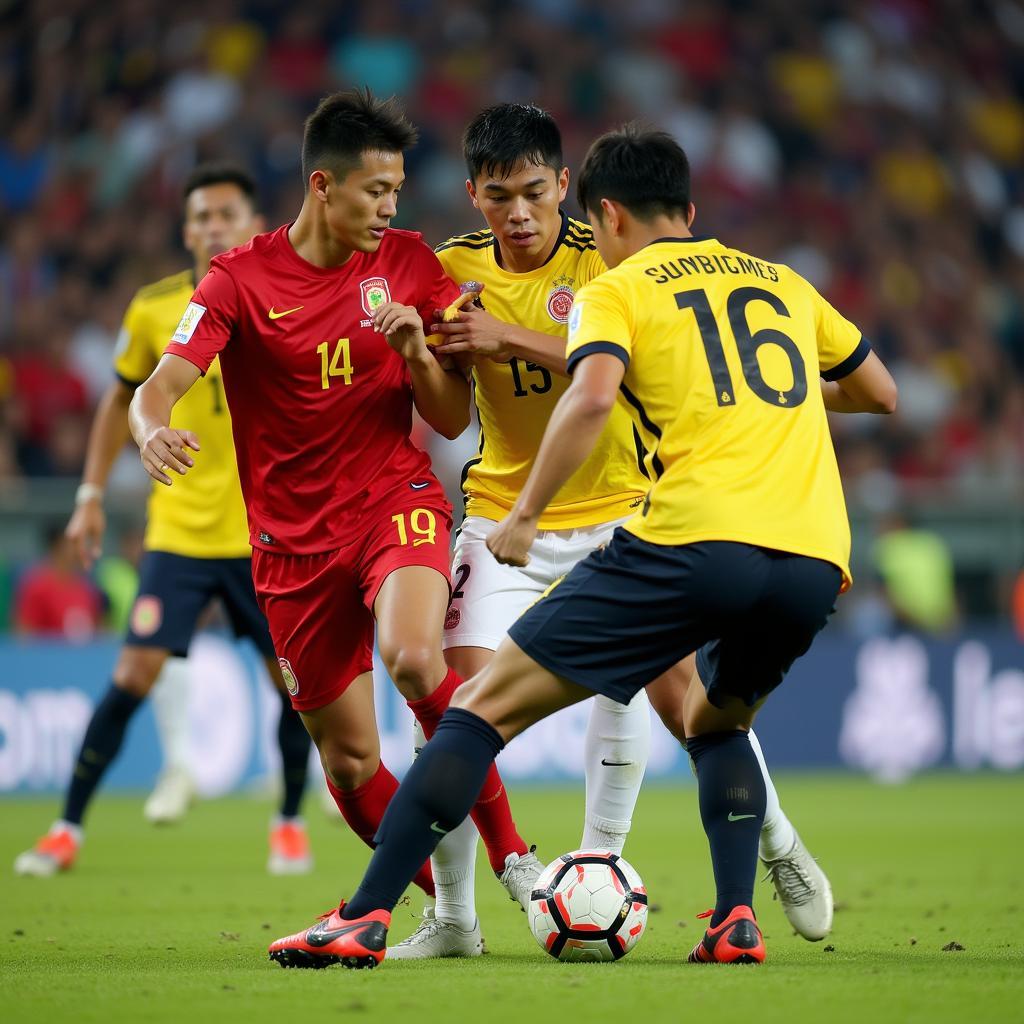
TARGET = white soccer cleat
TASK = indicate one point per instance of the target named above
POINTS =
(170, 798)
(436, 940)
(803, 890)
(520, 874)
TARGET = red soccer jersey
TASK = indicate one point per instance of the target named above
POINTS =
(321, 405)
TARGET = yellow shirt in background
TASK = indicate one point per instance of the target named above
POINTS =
(201, 515)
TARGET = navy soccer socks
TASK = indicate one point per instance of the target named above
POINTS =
(436, 795)
(294, 742)
(100, 745)
(732, 803)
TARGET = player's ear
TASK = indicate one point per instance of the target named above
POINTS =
(471, 191)
(318, 185)
(611, 215)
(691, 212)
(563, 184)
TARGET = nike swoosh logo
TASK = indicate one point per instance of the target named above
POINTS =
(435, 827)
(740, 817)
(615, 764)
(320, 935)
(419, 487)
(274, 315)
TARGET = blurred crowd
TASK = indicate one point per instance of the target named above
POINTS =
(877, 146)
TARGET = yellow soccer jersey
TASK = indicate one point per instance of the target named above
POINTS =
(201, 515)
(516, 399)
(723, 356)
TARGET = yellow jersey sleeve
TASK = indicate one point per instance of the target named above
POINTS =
(600, 321)
(133, 356)
(841, 346)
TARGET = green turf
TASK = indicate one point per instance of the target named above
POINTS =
(171, 925)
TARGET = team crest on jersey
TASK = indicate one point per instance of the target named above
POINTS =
(147, 614)
(374, 293)
(288, 674)
(560, 299)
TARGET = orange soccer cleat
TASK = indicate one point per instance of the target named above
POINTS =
(737, 940)
(333, 940)
(289, 848)
(56, 851)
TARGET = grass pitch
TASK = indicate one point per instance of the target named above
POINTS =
(172, 924)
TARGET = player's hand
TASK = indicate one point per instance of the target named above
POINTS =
(85, 530)
(475, 332)
(166, 449)
(403, 329)
(510, 540)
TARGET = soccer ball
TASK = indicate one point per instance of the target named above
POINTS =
(588, 905)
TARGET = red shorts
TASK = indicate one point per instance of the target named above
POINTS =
(320, 606)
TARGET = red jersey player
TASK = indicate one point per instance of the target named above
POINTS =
(320, 331)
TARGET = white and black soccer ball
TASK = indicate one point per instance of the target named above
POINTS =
(588, 905)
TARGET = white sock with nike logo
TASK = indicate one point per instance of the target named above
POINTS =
(617, 745)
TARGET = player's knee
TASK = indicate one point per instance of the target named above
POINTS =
(349, 767)
(413, 668)
(136, 671)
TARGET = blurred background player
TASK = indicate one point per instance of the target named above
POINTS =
(196, 550)
(319, 327)
(531, 260)
(691, 571)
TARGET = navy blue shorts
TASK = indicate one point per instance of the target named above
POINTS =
(174, 590)
(631, 610)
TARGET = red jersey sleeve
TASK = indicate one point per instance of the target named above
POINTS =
(208, 321)
(437, 290)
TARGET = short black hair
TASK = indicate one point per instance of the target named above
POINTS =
(347, 124)
(644, 169)
(220, 173)
(501, 138)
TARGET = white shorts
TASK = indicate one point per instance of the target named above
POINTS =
(487, 597)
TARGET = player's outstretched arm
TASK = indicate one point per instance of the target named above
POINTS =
(480, 333)
(149, 414)
(870, 388)
(571, 434)
(441, 396)
(107, 437)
